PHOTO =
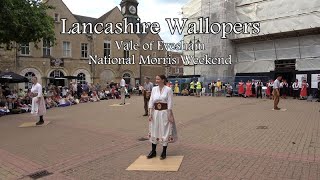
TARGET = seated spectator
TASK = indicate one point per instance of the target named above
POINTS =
(63, 102)
(12, 106)
(115, 94)
(3, 108)
(70, 98)
(22, 105)
(21, 93)
(50, 103)
(14, 94)
(102, 95)
(84, 97)
(108, 93)
(94, 97)
(185, 92)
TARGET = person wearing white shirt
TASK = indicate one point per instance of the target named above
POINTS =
(295, 88)
(38, 107)
(122, 85)
(276, 92)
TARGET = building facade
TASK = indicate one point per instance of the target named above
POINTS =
(175, 70)
(288, 42)
(70, 55)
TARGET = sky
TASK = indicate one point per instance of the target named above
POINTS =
(148, 11)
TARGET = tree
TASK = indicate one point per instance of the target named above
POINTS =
(25, 21)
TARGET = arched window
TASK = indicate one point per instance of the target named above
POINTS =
(56, 74)
(57, 78)
(127, 77)
(82, 78)
(29, 75)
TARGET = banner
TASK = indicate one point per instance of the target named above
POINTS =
(315, 79)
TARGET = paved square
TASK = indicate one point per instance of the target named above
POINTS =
(220, 138)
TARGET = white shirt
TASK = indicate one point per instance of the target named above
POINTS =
(276, 84)
(165, 96)
(122, 83)
(37, 88)
(295, 86)
(281, 85)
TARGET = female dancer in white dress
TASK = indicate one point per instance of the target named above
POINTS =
(38, 107)
(162, 128)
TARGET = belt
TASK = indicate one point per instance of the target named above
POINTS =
(160, 106)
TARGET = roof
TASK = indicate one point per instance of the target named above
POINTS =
(103, 17)
(84, 19)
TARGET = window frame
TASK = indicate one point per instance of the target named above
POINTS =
(84, 51)
(66, 50)
(58, 17)
(47, 48)
(25, 45)
(106, 48)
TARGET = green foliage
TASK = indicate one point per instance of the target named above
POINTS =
(25, 21)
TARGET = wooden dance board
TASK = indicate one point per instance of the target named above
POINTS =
(119, 105)
(280, 110)
(171, 163)
(33, 124)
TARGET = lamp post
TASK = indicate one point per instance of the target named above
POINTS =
(194, 42)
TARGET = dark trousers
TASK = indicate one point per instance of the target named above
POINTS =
(146, 103)
(259, 92)
(296, 94)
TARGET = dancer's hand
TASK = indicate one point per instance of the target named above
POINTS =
(150, 118)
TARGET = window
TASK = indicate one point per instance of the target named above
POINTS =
(126, 54)
(177, 70)
(25, 49)
(46, 48)
(84, 50)
(82, 78)
(29, 75)
(107, 49)
(66, 49)
(56, 17)
(56, 74)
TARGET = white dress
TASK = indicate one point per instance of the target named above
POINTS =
(38, 109)
(160, 129)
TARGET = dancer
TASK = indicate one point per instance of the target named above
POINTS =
(253, 87)
(276, 92)
(295, 88)
(248, 89)
(259, 89)
(162, 128)
(123, 91)
(304, 90)
(241, 88)
(38, 107)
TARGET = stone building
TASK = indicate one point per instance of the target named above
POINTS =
(69, 56)
(175, 70)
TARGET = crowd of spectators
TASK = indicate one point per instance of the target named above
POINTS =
(14, 101)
